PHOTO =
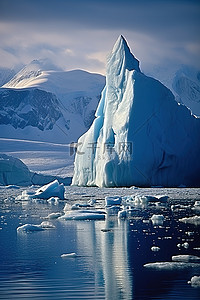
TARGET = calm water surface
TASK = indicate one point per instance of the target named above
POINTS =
(109, 263)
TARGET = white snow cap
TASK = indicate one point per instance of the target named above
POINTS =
(122, 57)
(140, 136)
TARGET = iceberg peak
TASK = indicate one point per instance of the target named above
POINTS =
(121, 57)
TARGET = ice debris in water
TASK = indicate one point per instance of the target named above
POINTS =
(48, 191)
(69, 255)
(155, 248)
(31, 227)
(186, 258)
(83, 215)
(47, 225)
(53, 215)
(171, 265)
(53, 200)
(191, 220)
(114, 200)
(157, 220)
(195, 281)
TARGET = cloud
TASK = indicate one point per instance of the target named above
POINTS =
(78, 34)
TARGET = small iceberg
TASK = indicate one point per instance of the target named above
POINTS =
(52, 216)
(195, 281)
(69, 255)
(83, 215)
(157, 220)
(31, 227)
(186, 258)
(171, 266)
(52, 192)
(52, 189)
(155, 248)
(114, 200)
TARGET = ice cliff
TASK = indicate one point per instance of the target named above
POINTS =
(141, 136)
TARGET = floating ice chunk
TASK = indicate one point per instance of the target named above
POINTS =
(47, 225)
(141, 201)
(191, 220)
(157, 220)
(155, 248)
(114, 200)
(53, 216)
(83, 215)
(186, 258)
(180, 207)
(195, 281)
(197, 203)
(29, 228)
(185, 245)
(171, 265)
(25, 196)
(53, 200)
(196, 206)
(53, 189)
(69, 255)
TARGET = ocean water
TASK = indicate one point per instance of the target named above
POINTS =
(111, 254)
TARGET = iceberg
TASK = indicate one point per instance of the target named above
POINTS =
(140, 136)
(186, 258)
(53, 189)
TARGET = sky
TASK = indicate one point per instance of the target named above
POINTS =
(79, 34)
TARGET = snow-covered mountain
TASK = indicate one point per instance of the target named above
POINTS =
(141, 136)
(46, 104)
(186, 85)
(183, 81)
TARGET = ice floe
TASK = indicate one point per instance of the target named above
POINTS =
(155, 248)
(171, 265)
(186, 258)
(53, 216)
(31, 227)
(191, 220)
(114, 200)
(69, 255)
(83, 215)
(157, 220)
(195, 281)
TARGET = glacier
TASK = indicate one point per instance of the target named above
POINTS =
(140, 136)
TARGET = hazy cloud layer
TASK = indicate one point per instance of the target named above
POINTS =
(78, 34)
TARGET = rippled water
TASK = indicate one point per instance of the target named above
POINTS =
(109, 264)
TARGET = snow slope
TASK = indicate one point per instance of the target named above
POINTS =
(41, 157)
(40, 91)
(141, 136)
